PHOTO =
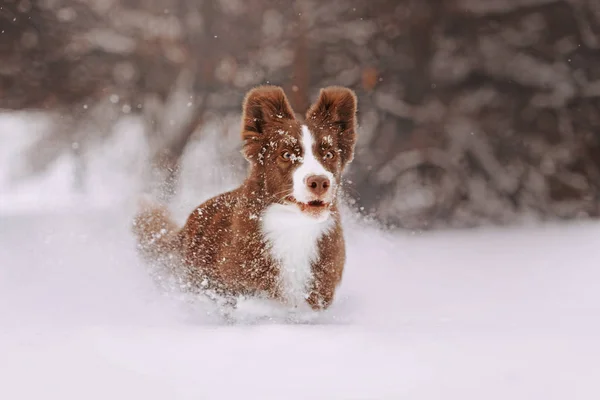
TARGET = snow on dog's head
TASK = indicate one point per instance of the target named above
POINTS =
(299, 163)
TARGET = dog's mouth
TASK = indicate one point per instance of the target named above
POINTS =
(311, 207)
(316, 203)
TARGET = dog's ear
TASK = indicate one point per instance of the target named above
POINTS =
(263, 106)
(336, 109)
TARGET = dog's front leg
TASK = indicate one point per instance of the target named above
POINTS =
(320, 300)
(326, 278)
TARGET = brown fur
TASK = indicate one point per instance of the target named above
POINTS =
(221, 246)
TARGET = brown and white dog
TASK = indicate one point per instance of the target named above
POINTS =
(279, 234)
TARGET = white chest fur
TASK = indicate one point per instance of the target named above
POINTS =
(293, 238)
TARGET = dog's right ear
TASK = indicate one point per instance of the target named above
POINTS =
(263, 106)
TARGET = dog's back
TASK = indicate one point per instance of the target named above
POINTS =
(182, 251)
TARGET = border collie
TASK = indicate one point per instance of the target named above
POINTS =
(279, 234)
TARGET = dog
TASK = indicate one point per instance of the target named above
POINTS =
(279, 234)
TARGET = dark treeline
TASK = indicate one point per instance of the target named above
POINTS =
(471, 111)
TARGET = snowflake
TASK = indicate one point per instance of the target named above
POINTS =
(295, 158)
(290, 139)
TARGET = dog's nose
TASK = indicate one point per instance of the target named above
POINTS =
(318, 184)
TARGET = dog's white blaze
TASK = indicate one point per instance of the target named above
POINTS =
(310, 165)
(292, 237)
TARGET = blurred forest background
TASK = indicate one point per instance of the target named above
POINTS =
(471, 111)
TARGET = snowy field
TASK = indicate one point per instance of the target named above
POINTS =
(487, 314)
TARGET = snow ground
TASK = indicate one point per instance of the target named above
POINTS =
(486, 314)
(478, 315)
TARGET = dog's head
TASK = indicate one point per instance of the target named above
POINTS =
(299, 162)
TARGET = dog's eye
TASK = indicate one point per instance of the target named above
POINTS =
(286, 155)
(329, 155)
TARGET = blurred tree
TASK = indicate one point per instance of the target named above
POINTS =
(471, 111)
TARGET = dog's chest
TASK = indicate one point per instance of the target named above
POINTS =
(292, 240)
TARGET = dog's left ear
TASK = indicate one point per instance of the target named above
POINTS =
(336, 108)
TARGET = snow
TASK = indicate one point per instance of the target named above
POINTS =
(473, 315)
(480, 314)
(112, 169)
